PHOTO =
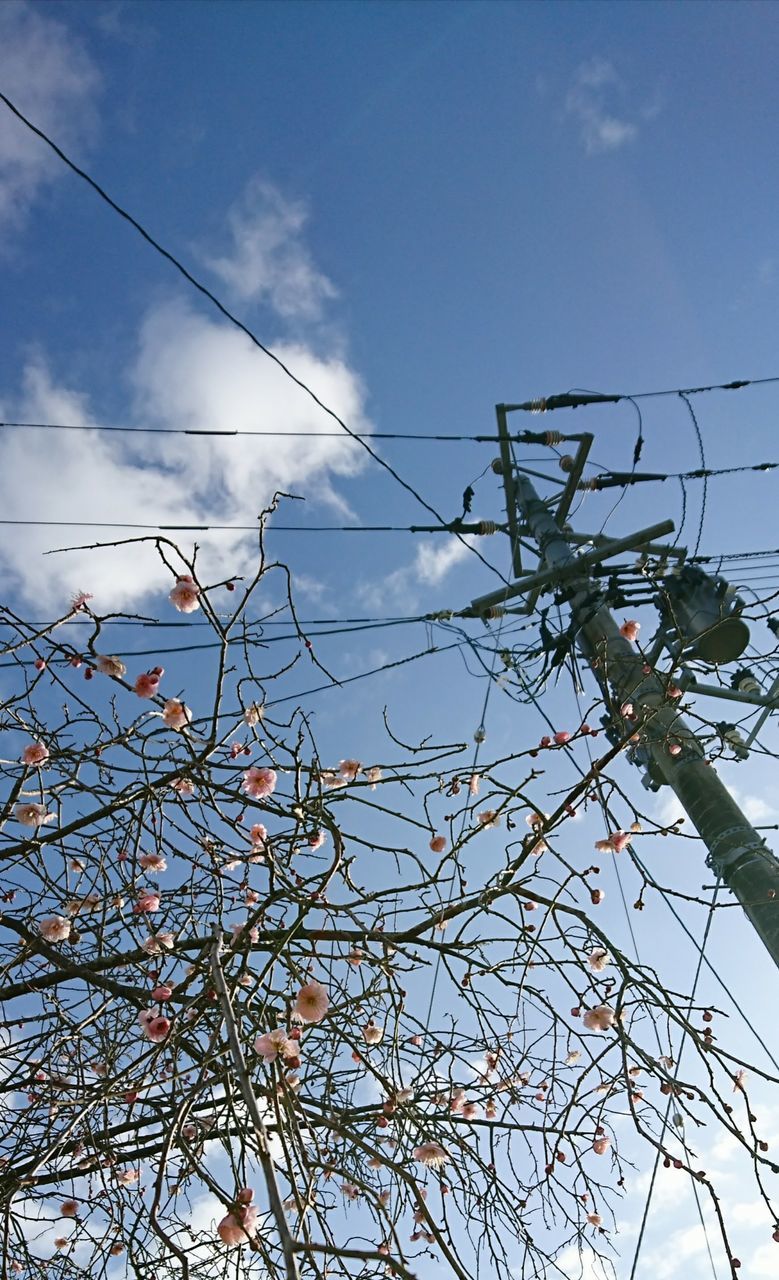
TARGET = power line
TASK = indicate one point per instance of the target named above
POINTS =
(229, 434)
(222, 309)
(454, 527)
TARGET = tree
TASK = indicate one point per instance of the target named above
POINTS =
(324, 1016)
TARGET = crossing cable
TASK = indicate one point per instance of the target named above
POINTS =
(232, 433)
(233, 319)
(701, 950)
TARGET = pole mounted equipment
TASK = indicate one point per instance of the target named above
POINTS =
(704, 614)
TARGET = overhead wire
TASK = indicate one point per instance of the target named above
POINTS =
(233, 319)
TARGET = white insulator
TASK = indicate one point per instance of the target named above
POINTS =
(494, 611)
(566, 463)
(553, 437)
(487, 526)
(480, 734)
(538, 406)
(497, 466)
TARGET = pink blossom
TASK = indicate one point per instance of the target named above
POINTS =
(470, 1110)
(127, 1177)
(562, 737)
(431, 1155)
(473, 784)
(253, 714)
(348, 770)
(598, 959)
(69, 1209)
(438, 844)
(601, 1145)
(674, 749)
(153, 862)
(110, 666)
(175, 714)
(740, 1081)
(273, 1043)
(601, 1018)
(258, 836)
(54, 929)
(184, 595)
(147, 902)
(356, 957)
(183, 786)
(157, 943)
(373, 775)
(32, 815)
(630, 629)
(35, 753)
(80, 598)
(239, 1226)
(155, 1026)
(489, 818)
(147, 684)
(614, 843)
(259, 783)
(312, 1003)
(594, 1219)
(162, 993)
(373, 1034)
(317, 840)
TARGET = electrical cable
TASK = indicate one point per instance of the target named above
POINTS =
(233, 319)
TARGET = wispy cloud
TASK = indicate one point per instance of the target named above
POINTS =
(45, 70)
(595, 86)
(268, 261)
(432, 563)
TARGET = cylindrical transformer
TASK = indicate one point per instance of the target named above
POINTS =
(704, 611)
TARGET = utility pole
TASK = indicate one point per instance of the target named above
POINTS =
(641, 699)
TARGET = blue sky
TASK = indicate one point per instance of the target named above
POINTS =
(426, 208)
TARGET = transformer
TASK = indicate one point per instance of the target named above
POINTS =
(704, 612)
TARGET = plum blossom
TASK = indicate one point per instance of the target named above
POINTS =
(259, 783)
(601, 1018)
(273, 1043)
(69, 1209)
(614, 843)
(431, 1155)
(438, 844)
(32, 815)
(372, 1033)
(239, 1226)
(598, 959)
(110, 666)
(258, 836)
(184, 596)
(147, 684)
(317, 840)
(312, 1003)
(155, 1026)
(79, 599)
(601, 1145)
(183, 786)
(147, 903)
(373, 775)
(348, 770)
(562, 737)
(489, 818)
(153, 862)
(35, 753)
(630, 629)
(253, 714)
(54, 929)
(162, 993)
(127, 1177)
(175, 714)
(156, 943)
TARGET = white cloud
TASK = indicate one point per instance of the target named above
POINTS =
(432, 563)
(47, 73)
(594, 84)
(268, 260)
(190, 372)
